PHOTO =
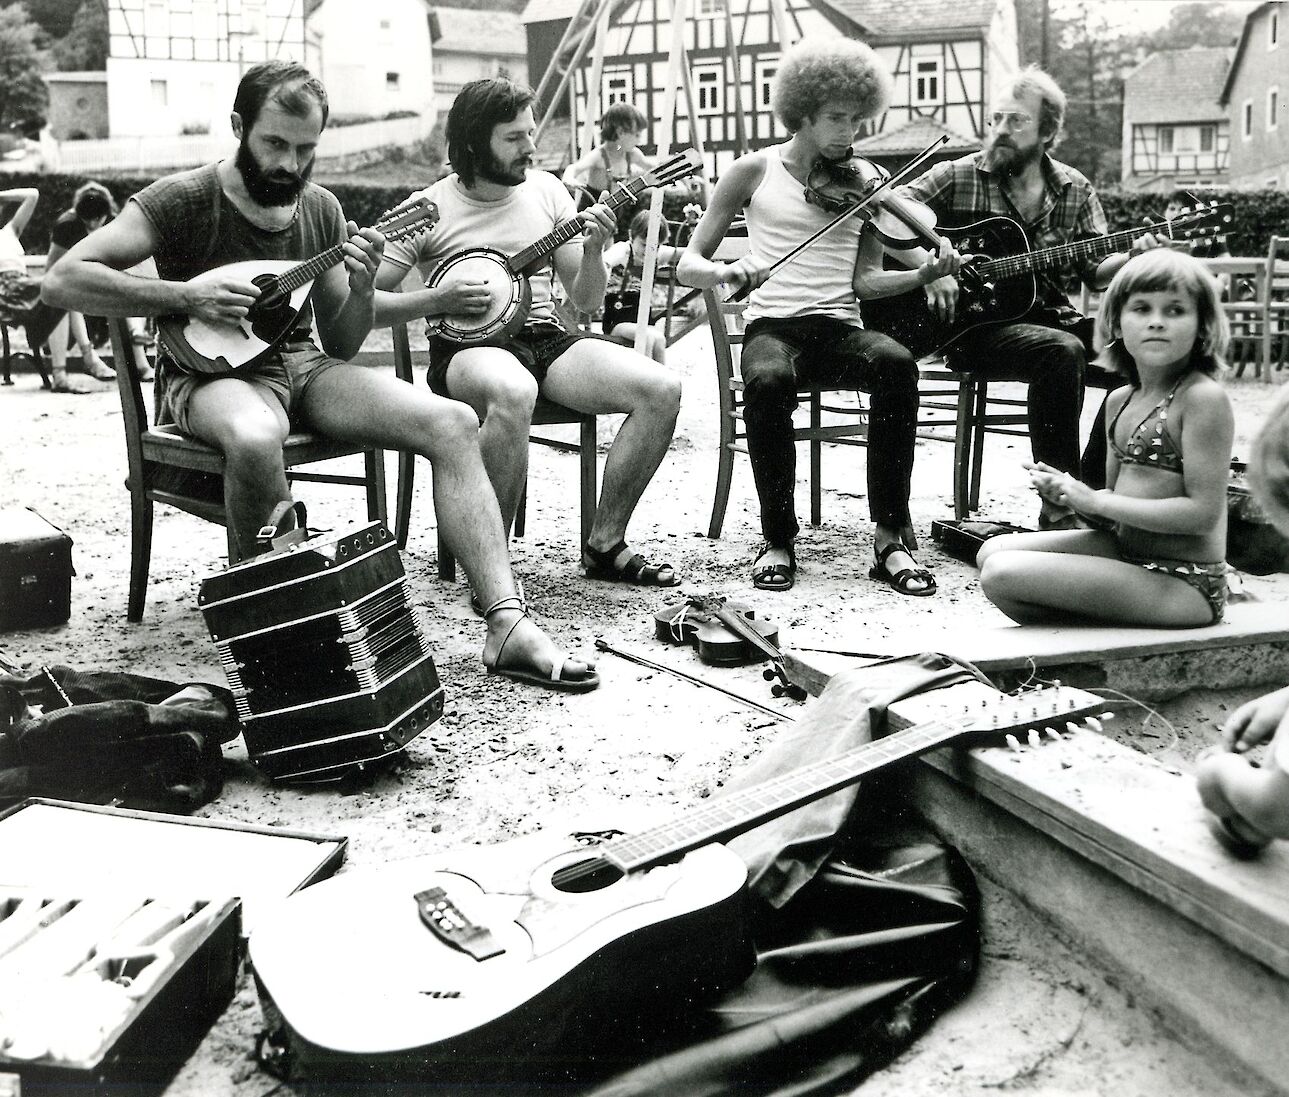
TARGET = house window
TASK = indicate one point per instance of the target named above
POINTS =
(709, 89)
(709, 9)
(1246, 129)
(1165, 139)
(1273, 28)
(159, 96)
(1207, 138)
(391, 81)
(926, 78)
(765, 70)
(617, 87)
(1273, 108)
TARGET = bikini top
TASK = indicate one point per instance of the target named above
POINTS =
(1150, 444)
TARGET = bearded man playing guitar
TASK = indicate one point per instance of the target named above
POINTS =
(1015, 176)
(259, 204)
(804, 324)
(493, 201)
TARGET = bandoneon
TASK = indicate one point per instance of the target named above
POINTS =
(324, 653)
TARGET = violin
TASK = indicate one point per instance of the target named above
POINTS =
(898, 221)
(727, 634)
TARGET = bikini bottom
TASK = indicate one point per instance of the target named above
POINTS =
(1208, 579)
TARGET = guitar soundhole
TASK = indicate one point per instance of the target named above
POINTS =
(593, 874)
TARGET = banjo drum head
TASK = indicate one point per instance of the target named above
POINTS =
(479, 265)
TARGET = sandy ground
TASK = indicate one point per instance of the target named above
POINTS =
(507, 759)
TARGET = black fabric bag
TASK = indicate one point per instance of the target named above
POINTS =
(143, 742)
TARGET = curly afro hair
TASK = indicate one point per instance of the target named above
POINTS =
(816, 71)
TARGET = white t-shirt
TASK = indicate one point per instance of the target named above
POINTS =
(526, 214)
(12, 256)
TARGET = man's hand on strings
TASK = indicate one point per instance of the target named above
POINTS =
(942, 297)
(223, 300)
(363, 252)
(598, 226)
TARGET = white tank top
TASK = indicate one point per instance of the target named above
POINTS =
(818, 281)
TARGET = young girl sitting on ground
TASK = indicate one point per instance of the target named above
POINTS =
(625, 262)
(1160, 560)
(1251, 802)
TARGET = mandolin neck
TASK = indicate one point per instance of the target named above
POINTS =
(301, 275)
(532, 257)
(718, 819)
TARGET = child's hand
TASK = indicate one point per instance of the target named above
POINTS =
(1256, 721)
(1061, 488)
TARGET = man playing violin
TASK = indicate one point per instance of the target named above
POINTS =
(492, 199)
(804, 323)
(259, 204)
(1015, 176)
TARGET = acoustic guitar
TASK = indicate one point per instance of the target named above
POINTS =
(222, 349)
(1000, 290)
(479, 963)
(510, 293)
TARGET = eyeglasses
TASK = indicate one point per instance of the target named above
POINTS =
(1013, 118)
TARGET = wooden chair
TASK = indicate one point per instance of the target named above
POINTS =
(7, 354)
(546, 413)
(1275, 306)
(1244, 308)
(166, 466)
(725, 319)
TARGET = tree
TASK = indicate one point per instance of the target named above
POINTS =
(54, 17)
(85, 46)
(1197, 25)
(22, 92)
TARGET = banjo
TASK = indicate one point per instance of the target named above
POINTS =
(510, 293)
(222, 349)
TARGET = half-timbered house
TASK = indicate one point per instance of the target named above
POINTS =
(1175, 130)
(948, 61)
(1256, 97)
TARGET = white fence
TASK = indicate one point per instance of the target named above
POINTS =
(144, 155)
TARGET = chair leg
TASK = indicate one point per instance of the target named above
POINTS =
(4, 362)
(403, 504)
(140, 554)
(374, 460)
(962, 448)
(521, 511)
(587, 479)
(724, 475)
(978, 443)
(816, 464)
(447, 562)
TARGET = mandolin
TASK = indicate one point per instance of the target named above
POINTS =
(222, 349)
(510, 293)
(999, 290)
(491, 961)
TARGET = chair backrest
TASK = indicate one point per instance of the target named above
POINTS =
(726, 321)
(1275, 283)
(126, 357)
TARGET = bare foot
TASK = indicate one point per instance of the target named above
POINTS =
(516, 648)
(73, 384)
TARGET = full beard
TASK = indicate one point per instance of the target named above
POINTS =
(1009, 161)
(507, 175)
(275, 189)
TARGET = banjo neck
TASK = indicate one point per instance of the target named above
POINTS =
(531, 258)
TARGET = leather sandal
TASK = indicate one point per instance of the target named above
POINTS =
(778, 577)
(620, 565)
(554, 679)
(902, 580)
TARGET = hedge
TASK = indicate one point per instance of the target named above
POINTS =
(1257, 214)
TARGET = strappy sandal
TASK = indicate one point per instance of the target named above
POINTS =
(901, 581)
(555, 679)
(777, 577)
(477, 606)
(620, 565)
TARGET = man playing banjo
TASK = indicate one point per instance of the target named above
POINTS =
(266, 208)
(493, 201)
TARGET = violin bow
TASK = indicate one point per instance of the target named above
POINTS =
(891, 180)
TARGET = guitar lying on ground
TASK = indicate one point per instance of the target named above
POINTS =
(507, 276)
(199, 346)
(489, 960)
(998, 291)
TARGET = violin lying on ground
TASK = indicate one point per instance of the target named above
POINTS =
(727, 634)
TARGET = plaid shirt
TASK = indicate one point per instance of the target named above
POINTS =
(964, 190)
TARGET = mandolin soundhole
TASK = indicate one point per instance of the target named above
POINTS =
(593, 874)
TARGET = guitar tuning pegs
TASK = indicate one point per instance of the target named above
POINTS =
(1094, 724)
(1072, 727)
(1107, 716)
(1012, 742)
(1033, 738)
(1052, 733)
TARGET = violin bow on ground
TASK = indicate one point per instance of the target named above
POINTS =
(890, 181)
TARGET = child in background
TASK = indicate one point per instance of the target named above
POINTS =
(1250, 803)
(1160, 561)
(625, 261)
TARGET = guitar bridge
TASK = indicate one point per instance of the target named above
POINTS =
(442, 917)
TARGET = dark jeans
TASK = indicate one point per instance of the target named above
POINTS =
(1052, 361)
(779, 356)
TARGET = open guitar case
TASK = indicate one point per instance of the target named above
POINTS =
(865, 926)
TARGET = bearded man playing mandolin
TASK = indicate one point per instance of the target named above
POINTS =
(259, 204)
(493, 203)
(804, 323)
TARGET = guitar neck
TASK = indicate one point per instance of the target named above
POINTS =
(718, 819)
(291, 280)
(1063, 255)
(532, 257)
